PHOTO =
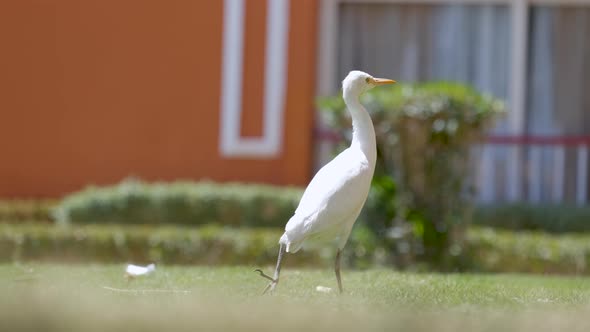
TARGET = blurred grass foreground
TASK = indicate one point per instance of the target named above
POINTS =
(97, 298)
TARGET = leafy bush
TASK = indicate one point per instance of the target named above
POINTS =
(561, 218)
(485, 250)
(187, 203)
(112, 243)
(424, 134)
(488, 249)
(165, 244)
(26, 210)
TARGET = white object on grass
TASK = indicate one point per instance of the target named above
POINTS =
(136, 270)
(335, 196)
(146, 291)
(323, 289)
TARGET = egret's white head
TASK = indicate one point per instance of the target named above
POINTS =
(358, 82)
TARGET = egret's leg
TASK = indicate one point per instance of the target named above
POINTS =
(337, 270)
(275, 280)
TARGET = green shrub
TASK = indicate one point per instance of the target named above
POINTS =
(163, 244)
(187, 203)
(424, 136)
(26, 210)
(493, 250)
(485, 249)
(552, 218)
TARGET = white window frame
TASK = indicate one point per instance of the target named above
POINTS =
(269, 145)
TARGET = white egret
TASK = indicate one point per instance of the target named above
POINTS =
(335, 196)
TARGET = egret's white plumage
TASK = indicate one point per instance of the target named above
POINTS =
(332, 201)
(335, 196)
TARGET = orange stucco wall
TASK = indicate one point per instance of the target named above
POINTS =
(94, 91)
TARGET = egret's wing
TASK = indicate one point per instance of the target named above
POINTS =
(335, 193)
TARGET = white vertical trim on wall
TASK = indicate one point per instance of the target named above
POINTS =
(487, 181)
(534, 173)
(519, 44)
(582, 175)
(275, 75)
(327, 61)
(231, 75)
(558, 173)
(326, 65)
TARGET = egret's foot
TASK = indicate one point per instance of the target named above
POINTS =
(273, 282)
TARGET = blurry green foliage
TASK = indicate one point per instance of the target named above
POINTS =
(135, 243)
(486, 249)
(424, 134)
(206, 244)
(188, 203)
(17, 210)
(552, 218)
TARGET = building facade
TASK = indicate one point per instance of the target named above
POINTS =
(93, 92)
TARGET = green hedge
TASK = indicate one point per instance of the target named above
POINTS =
(536, 252)
(207, 244)
(552, 218)
(198, 203)
(134, 243)
(188, 203)
(26, 210)
(485, 250)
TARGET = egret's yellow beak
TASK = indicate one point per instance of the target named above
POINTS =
(381, 81)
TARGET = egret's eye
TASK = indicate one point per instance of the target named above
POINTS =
(368, 80)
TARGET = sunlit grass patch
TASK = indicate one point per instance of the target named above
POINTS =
(98, 297)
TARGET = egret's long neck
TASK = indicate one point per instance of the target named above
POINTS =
(363, 133)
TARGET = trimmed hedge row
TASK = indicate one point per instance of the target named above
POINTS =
(199, 203)
(207, 244)
(203, 245)
(26, 210)
(184, 203)
(113, 243)
(532, 252)
(485, 250)
(556, 218)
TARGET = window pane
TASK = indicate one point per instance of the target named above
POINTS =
(408, 42)
(559, 71)
(467, 43)
(558, 98)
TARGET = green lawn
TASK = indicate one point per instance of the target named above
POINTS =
(97, 297)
